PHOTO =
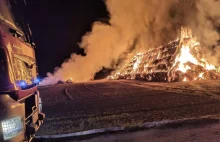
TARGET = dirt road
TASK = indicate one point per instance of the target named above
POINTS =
(202, 133)
(100, 104)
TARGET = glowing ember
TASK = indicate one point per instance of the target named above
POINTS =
(184, 79)
(70, 80)
(180, 60)
(201, 75)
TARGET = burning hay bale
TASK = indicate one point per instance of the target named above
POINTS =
(180, 60)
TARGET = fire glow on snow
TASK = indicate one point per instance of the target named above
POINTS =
(181, 60)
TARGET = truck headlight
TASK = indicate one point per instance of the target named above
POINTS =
(11, 127)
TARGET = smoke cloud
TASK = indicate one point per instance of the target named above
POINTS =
(205, 27)
(138, 25)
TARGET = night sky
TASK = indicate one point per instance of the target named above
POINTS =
(57, 27)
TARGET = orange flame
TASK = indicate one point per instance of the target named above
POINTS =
(188, 43)
(187, 58)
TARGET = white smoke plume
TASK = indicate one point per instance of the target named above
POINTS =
(207, 19)
(137, 25)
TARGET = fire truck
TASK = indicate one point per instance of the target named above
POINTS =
(20, 103)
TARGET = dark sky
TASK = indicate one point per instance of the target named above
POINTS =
(57, 27)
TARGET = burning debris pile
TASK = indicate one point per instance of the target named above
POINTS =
(180, 60)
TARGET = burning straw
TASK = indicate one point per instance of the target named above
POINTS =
(180, 60)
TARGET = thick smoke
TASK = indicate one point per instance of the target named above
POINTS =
(205, 27)
(137, 25)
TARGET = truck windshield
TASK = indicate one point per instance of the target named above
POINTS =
(5, 12)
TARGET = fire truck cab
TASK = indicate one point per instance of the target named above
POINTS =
(20, 104)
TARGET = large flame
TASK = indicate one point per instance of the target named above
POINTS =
(180, 60)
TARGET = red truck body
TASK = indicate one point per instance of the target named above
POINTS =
(20, 103)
